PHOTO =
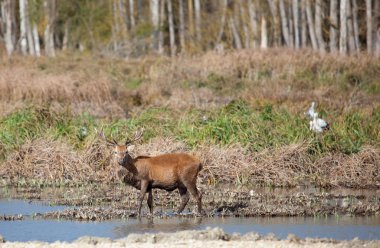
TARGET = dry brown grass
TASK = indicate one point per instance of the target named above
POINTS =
(53, 161)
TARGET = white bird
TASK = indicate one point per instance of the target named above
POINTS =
(318, 125)
(310, 112)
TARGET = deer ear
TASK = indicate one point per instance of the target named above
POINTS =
(130, 148)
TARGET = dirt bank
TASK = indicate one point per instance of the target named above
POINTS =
(213, 238)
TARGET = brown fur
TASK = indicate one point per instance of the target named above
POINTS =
(167, 171)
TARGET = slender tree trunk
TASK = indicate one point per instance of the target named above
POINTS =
(29, 31)
(350, 30)
(333, 25)
(191, 17)
(23, 35)
(291, 25)
(310, 22)
(154, 11)
(132, 13)
(181, 26)
(254, 26)
(264, 33)
(197, 6)
(343, 28)
(222, 22)
(235, 33)
(244, 23)
(318, 26)
(161, 49)
(377, 51)
(356, 25)
(36, 40)
(303, 24)
(284, 23)
(375, 20)
(369, 26)
(10, 20)
(296, 24)
(65, 41)
(49, 6)
(173, 49)
(276, 22)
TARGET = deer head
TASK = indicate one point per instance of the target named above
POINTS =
(121, 152)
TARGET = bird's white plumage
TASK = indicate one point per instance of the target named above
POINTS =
(310, 112)
(318, 124)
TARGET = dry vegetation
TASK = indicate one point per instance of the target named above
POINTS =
(115, 93)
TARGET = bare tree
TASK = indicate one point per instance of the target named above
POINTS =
(243, 16)
(161, 24)
(356, 25)
(343, 28)
(350, 30)
(49, 6)
(333, 25)
(252, 10)
(132, 13)
(181, 25)
(23, 38)
(296, 24)
(235, 33)
(310, 22)
(264, 33)
(303, 24)
(154, 11)
(369, 26)
(222, 22)
(197, 6)
(276, 21)
(284, 23)
(173, 49)
(10, 20)
(318, 25)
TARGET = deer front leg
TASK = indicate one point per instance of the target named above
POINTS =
(144, 187)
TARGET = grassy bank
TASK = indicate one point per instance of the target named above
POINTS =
(241, 112)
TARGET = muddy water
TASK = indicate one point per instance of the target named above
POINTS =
(31, 227)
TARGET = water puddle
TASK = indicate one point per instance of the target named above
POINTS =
(28, 229)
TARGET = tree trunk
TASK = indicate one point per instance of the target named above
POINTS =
(303, 24)
(222, 22)
(276, 22)
(132, 13)
(333, 25)
(284, 24)
(181, 26)
(350, 30)
(244, 22)
(23, 38)
(377, 51)
(235, 33)
(161, 49)
(10, 20)
(356, 25)
(29, 31)
(154, 11)
(318, 26)
(36, 40)
(343, 28)
(65, 41)
(191, 17)
(296, 24)
(264, 33)
(197, 6)
(310, 22)
(254, 26)
(369, 26)
(173, 49)
(49, 6)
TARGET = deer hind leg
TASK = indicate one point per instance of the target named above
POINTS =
(192, 188)
(184, 198)
(150, 201)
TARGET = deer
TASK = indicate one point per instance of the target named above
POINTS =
(167, 171)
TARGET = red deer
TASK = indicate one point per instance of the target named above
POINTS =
(168, 171)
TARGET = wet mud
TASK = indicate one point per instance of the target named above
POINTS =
(100, 202)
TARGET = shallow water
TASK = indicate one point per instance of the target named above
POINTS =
(52, 230)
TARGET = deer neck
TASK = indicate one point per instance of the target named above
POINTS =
(129, 164)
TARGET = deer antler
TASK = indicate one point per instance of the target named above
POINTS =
(138, 135)
(101, 135)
